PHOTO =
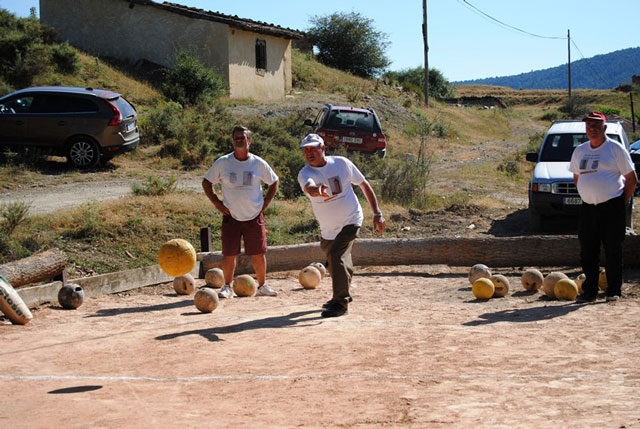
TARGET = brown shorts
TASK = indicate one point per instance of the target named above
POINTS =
(253, 232)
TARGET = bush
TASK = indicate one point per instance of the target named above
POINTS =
(405, 181)
(65, 58)
(155, 186)
(551, 115)
(12, 215)
(609, 110)
(189, 81)
(413, 80)
(575, 107)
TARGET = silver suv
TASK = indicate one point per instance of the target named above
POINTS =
(551, 189)
(83, 124)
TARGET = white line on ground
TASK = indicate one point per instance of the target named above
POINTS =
(417, 377)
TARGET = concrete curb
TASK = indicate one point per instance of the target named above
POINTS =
(99, 285)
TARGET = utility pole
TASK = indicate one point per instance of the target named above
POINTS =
(426, 53)
(569, 63)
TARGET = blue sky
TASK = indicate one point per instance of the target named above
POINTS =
(462, 43)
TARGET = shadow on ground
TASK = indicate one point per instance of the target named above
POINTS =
(268, 322)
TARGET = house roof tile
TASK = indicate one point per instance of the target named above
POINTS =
(233, 21)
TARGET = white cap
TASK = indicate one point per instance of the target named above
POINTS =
(312, 140)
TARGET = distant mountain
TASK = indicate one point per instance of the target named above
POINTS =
(599, 72)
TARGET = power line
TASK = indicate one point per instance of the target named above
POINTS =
(586, 61)
(504, 24)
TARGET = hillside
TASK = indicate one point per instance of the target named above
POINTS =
(599, 72)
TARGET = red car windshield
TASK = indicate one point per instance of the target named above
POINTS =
(361, 121)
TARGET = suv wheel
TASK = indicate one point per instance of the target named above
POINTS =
(83, 152)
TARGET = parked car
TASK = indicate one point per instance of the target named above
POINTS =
(551, 189)
(634, 150)
(83, 124)
(350, 127)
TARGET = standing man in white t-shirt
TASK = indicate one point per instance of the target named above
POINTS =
(240, 174)
(605, 177)
(327, 181)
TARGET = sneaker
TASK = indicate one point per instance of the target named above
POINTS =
(225, 292)
(583, 299)
(613, 298)
(266, 290)
(334, 310)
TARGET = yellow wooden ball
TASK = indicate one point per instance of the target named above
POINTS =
(602, 280)
(566, 289)
(177, 257)
(483, 288)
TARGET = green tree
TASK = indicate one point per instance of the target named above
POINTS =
(349, 42)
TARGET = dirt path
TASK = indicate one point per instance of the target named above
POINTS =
(416, 350)
(69, 195)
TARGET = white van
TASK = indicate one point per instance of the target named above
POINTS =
(551, 189)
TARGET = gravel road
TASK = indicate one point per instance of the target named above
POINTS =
(49, 199)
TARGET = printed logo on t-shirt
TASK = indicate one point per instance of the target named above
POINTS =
(233, 177)
(247, 178)
(335, 185)
(594, 164)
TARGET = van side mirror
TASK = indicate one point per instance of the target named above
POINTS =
(532, 156)
(308, 122)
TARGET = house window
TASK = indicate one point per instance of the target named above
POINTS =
(261, 55)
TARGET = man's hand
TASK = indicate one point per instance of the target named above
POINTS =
(379, 224)
(221, 207)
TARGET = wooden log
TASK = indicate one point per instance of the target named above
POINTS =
(41, 266)
(525, 251)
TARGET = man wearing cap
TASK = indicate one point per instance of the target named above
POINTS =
(240, 174)
(605, 177)
(327, 181)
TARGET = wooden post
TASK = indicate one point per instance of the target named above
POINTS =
(633, 115)
(569, 63)
(205, 246)
(426, 53)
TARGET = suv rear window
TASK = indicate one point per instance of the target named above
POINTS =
(124, 107)
(559, 147)
(362, 121)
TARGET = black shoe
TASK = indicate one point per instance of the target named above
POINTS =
(331, 302)
(583, 299)
(334, 310)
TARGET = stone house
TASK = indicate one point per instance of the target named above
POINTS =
(253, 57)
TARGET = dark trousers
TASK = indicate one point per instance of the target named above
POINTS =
(340, 267)
(602, 223)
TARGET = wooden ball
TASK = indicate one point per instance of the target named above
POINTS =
(206, 300)
(177, 257)
(244, 285)
(479, 271)
(532, 279)
(500, 284)
(214, 277)
(549, 284)
(483, 288)
(309, 277)
(184, 285)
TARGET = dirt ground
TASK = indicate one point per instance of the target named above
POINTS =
(416, 350)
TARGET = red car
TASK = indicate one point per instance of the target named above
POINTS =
(350, 127)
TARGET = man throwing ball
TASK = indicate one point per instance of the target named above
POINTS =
(327, 181)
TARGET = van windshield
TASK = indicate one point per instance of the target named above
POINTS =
(559, 147)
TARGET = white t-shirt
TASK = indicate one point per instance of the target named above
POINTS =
(601, 170)
(342, 208)
(240, 182)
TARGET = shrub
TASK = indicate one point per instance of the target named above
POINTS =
(65, 58)
(608, 110)
(12, 215)
(190, 81)
(551, 115)
(155, 186)
(575, 107)
(405, 181)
